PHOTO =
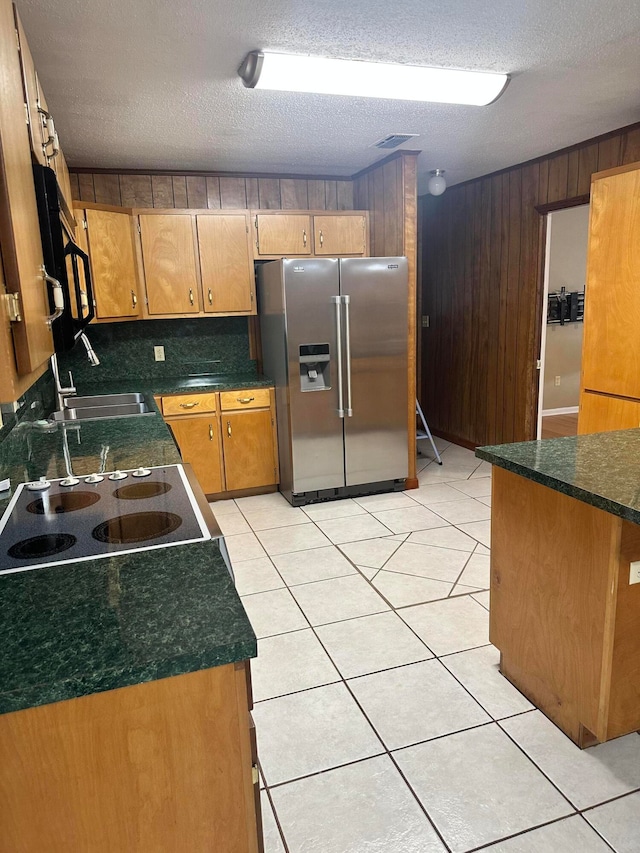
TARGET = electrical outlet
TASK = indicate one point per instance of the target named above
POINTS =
(634, 572)
(158, 353)
(558, 378)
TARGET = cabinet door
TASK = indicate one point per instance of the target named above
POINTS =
(249, 459)
(284, 234)
(64, 181)
(19, 226)
(601, 413)
(30, 86)
(113, 263)
(169, 259)
(611, 351)
(339, 235)
(226, 263)
(199, 443)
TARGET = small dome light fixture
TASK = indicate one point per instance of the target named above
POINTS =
(437, 182)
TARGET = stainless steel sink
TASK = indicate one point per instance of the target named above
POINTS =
(102, 400)
(103, 406)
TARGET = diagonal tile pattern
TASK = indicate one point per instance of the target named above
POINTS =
(383, 722)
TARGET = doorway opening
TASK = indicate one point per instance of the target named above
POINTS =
(562, 325)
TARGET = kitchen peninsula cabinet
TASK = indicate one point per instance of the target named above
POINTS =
(611, 349)
(565, 606)
(226, 263)
(231, 443)
(111, 249)
(169, 262)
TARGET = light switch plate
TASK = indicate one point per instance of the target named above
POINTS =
(634, 572)
(158, 353)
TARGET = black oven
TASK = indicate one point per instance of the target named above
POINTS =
(64, 261)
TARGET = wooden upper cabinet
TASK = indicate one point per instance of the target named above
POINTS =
(169, 259)
(226, 263)
(611, 350)
(283, 234)
(113, 263)
(339, 235)
(19, 227)
(30, 91)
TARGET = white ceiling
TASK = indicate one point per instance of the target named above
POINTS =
(153, 83)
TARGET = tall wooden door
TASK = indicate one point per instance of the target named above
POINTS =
(169, 258)
(113, 263)
(284, 234)
(602, 413)
(249, 457)
(339, 235)
(199, 443)
(611, 349)
(226, 263)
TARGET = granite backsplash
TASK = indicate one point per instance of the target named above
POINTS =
(192, 347)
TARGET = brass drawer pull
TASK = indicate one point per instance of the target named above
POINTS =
(245, 399)
(229, 428)
(210, 294)
(190, 405)
(134, 299)
(191, 295)
(210, 432)
(304, 238)
(321, 239)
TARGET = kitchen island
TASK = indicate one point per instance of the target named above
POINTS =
(565, 596)
(124, 690)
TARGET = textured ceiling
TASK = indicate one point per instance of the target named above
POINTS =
(153, 83)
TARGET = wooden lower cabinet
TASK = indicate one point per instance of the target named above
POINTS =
(153, 768)
(232, 445)
(248, 448)
(602, 413)
(198, 439)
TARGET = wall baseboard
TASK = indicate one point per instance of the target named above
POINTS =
(568, 410)
(455, 439)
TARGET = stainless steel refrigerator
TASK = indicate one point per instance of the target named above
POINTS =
(334, 340)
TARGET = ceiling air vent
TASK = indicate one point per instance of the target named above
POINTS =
(393, 140)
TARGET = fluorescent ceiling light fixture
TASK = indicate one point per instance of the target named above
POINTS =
(288, 73)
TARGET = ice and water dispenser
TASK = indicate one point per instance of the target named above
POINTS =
(314, 367)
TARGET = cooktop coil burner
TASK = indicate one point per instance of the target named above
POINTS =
(87, 517)
(141, 491)
(137, 527)
(45, 545)
(62, 502)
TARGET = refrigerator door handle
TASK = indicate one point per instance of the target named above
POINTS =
(347, 354)
(337, 301)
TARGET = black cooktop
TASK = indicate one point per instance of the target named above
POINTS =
(82, 518)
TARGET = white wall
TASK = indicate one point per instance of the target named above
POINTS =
(567, 268)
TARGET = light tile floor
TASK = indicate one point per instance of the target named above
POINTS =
(383, 723)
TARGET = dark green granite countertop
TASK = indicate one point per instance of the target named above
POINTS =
(602, 469)
(72, 630)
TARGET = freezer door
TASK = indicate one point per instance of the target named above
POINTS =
(317, 446)
(374, 293)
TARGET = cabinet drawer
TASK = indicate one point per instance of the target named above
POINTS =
(250, 398)
(188, 404)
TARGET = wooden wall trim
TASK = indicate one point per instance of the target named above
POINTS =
(482, 266)
(91, 170)
(393, 156)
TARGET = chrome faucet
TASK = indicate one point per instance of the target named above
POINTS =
(61, 392)
(94, 361)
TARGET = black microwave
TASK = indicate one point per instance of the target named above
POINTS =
(65, 262)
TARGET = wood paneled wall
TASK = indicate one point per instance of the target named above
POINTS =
(389, 191)
(482, 255)
(213, 191)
